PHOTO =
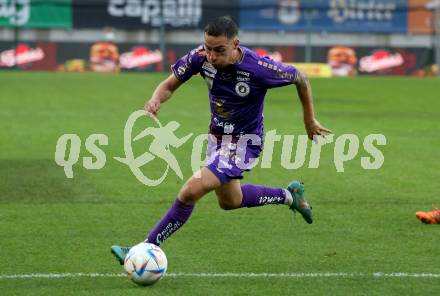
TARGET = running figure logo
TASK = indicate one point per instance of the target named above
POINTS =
(164, 137)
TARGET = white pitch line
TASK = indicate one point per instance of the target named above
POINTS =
(59, 275)
(232, 274)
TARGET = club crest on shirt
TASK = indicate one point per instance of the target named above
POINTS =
(242, 89)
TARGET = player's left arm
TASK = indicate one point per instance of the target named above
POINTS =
(313, 127)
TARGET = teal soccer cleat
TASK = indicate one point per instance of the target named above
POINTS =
(300, 203)
(120, 253)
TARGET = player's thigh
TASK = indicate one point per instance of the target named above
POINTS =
(229, 195)
(202, 182)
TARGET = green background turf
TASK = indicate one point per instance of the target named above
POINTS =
(364, 220)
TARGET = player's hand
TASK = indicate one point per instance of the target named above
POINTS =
(152, 107)
(314, 128)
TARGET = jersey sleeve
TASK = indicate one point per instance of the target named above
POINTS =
(275, 74)
(189, 65)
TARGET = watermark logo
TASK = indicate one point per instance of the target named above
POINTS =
(163, 138)
(226, 151)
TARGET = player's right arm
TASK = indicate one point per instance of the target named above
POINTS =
(183, 70)
(162, 93)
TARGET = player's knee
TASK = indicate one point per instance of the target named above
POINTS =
(188, 194)
(192, 191)
(228, 205)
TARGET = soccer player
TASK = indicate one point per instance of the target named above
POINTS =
(237, 80)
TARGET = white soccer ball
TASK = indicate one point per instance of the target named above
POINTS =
(145, 264)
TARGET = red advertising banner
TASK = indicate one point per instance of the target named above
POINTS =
(135, 57)
(38, 57)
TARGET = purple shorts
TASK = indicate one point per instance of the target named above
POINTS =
(228, 157)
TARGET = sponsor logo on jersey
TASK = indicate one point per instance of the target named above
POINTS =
(209, 74)
(243, 79)
(268, 65)
(182, 69)
(247, 74)
(209, 67)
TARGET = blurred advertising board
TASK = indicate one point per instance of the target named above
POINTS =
(28, 56)
(342, 61)
(105, 56)
(147, 14)
(382, 16)
(315, 69)
(36, 13)
(420, 19)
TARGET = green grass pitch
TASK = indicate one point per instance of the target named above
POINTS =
(364, 219)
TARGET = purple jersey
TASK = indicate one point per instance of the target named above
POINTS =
(236, 92)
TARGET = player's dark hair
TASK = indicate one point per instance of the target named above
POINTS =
(222, 26)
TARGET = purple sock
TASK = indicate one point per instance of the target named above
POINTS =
(173, 219)
(255, 196)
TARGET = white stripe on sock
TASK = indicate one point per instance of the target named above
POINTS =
(289, 199)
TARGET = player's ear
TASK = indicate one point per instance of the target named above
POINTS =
(236, 42)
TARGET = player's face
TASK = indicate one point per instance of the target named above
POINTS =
(220, 50)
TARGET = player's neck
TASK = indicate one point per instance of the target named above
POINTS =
(237, 55)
